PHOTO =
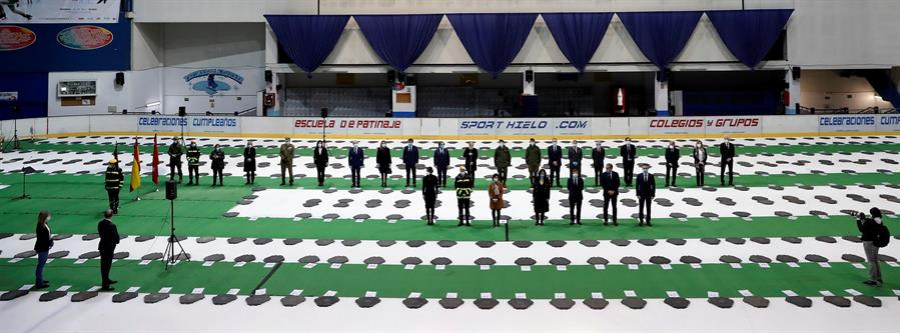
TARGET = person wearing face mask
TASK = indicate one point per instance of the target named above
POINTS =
(646, 191)
(442, 162)
(250, 163)
(355, 159)
(383, 161)
(502, 160)
(471, 157)
(463, 185)
(700, 163)
(598, 154)
(175, 159)
(193, 158)
(575, 156)
(628, 152)
(286, 154)
(320, 159)
(410, 160)
(495, 193)
(726, 149)
(429, 194)
(42, 245)
(554, 154)
(113, 181)
(540, 195)
(875, 235)
(533, 160)
(610, 183)
(575, 186)
(672, 156)
(217, 156)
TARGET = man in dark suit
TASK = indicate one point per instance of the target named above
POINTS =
(429, 193)
(217, 156)
(628, 152)
(410, 159)
(610, 183)
(646, 191)
(320, 159)
(471, 157)
(109, 237)
(554, 154)
(726, 149)
(672, 156)
(575, 156)
(598, 154)
(575, 185)
(441, 162)
(355, 159)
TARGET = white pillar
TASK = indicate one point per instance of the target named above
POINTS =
(528, 87)
(793, 92)
(661, 97)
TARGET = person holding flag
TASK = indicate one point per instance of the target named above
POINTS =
(136, 168)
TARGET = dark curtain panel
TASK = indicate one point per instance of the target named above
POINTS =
(398, 39)
(750, 34)
(578, 34)
(492, 40)
(308, 39)
(660, 35)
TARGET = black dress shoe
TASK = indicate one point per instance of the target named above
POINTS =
(40, 286)
(112, 281)
(107, 289)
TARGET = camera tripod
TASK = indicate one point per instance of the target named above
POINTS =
(169, 255)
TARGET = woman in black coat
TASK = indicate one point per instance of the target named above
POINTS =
(320, 159)
(383, 160)
(541, 197)
(250, 162)
(42, 245)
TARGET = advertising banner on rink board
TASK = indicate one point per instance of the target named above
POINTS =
(848, 123)
(706, 125)
(58, 11)
(525, 126)
(194, 124)
(351, 126)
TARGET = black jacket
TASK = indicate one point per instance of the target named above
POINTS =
(250, 159)
(441, 158)
(383, 158)
(42, 242)
(541, 196)
(554, 155)
(218, 159)
(609, 180)
(429, 187)
(646, 187)
(672, 156)
(109, 235)
(575, 156)
(320, 156)
(727, 150)
(471, 156)
(628, 152)
(598, 155)
(576, 189)
(868, 228)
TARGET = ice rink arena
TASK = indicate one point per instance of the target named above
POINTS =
(449, 165)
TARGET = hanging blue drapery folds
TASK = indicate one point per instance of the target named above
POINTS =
(660, 35)
(308, 39)
(750, 34)
(399, 39)
(492, 40)
(578, 34)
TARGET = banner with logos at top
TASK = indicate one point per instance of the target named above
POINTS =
(59, 11)
(193, 124)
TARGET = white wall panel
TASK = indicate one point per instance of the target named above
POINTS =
(71, 124)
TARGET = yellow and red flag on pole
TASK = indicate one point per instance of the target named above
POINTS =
(155, 161)
(136, 168)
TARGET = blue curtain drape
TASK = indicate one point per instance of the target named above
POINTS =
(308, 39)
(660, 35)
(749, 34)
(492, 40)
(578, 34)
(399, 39)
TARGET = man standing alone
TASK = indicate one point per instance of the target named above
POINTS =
(410, 160)
(175, 159)
(109, 237)
(287, 159)
(114, 181)
(726, 149)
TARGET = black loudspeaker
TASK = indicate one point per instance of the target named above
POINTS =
(391, 76)
(795, 73)
(324, 112)
(182, 111)
(171, 190)
(529, 76)
(120, 79)
(411, 80)
(268, 76)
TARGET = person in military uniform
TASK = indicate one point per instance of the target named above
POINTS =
(217, 156)
(502, 161)
(175, 153)
(114, 182)
(470, 154)
(287, 159)
(533, 160)
(250, 162)
(463, 186)
(193, 158)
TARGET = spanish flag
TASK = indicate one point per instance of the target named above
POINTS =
(136, 168)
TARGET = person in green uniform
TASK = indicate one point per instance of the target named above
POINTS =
(502, 161)
(533, 160)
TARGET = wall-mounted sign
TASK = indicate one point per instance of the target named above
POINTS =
(84, 37)
(57, 11)
(213, 81)
(15, 37)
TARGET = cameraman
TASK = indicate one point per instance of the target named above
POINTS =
(873, 237)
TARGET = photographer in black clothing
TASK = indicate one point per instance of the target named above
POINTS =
(874, 236)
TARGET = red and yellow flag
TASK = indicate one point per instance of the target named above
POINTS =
(136, 168)
(155, 161)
